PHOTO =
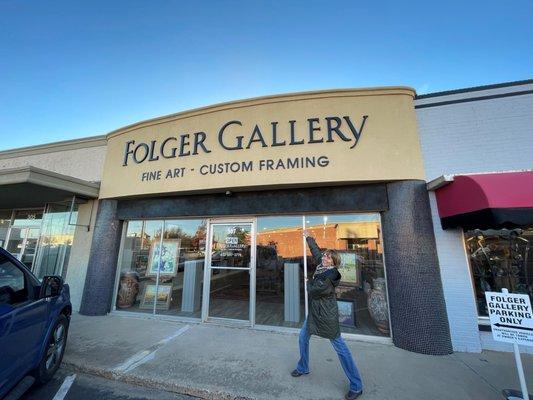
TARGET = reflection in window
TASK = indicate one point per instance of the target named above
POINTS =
(280, 297)
(182, 274)
(362, 293)
(30, 217)
(12, 283)
(55, 240)
(229, 289)
(24, 234)
(177, 259)
(136, 291)
(5, 222)
(280, 293)
(500, 259)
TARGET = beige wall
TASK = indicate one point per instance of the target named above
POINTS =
(84, 163)
(79, 255)
(388, 148)
(83, 159)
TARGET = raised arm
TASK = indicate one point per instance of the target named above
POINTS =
(315, 250)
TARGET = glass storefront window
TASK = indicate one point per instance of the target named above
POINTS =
(40, 238)
(23, 235)
(31, 217)
(56, 235)
(181, 275)
(5, 222)
(362, 292)
(175, 274)
(138, 266)
(280, 293)
(179, 267)
(500, 259)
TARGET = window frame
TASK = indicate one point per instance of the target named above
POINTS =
(483, 321)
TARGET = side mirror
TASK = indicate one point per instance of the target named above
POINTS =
(51, 286)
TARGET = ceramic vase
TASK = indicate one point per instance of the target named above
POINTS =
(377, 305)
(128, 289)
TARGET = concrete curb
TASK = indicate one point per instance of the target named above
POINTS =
(154, 383)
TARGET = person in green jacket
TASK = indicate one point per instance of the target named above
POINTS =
(323, 318)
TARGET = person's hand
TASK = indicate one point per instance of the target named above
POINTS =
(305, 233)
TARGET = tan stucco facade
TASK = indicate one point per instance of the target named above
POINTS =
(82, 159)
(81, 248)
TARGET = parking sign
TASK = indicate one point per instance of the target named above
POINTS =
(511, 317)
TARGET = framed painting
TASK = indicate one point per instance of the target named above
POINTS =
(170, 254)
(164, 295)
(347, 313)
(350, 268)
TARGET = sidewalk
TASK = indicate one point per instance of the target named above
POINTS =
(215, 362)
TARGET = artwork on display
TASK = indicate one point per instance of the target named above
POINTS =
(169, 257)
(346, 312)
(164, 294)
(349, 268)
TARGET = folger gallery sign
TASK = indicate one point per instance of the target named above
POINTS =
(301, 139)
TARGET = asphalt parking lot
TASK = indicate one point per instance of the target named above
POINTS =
(67, 385)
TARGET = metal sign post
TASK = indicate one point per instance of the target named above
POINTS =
(305, 268)
(511, 320)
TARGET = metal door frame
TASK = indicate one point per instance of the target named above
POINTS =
(25, 228)
(40, 227)
(207, 270)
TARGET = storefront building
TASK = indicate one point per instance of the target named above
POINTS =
(477, 145)
(198, 216)
(48, 204)
(204, 211)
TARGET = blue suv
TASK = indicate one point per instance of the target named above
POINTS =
(34, 321)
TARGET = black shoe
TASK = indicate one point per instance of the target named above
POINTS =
(297, 373)
(352, 394)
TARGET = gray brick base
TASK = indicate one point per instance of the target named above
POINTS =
(100, 279)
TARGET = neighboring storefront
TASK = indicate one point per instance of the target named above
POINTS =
(38, 216)
(199, 215)
(48, 203)
(481, 191)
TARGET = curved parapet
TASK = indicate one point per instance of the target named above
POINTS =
(312, 138)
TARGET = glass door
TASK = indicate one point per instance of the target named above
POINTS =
(30, 246)
(229, 284)
(15, 241)
(22, 243)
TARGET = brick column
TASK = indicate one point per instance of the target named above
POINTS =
(419, 321)
(101, 271)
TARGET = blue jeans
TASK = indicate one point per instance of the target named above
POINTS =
(345, 357)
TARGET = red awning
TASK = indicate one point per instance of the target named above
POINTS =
(494, 200)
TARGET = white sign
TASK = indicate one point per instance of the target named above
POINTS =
(232, 240)
(511, 317)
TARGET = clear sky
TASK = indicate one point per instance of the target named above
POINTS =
(71, 68)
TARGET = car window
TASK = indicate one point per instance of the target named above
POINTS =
(13, 288)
